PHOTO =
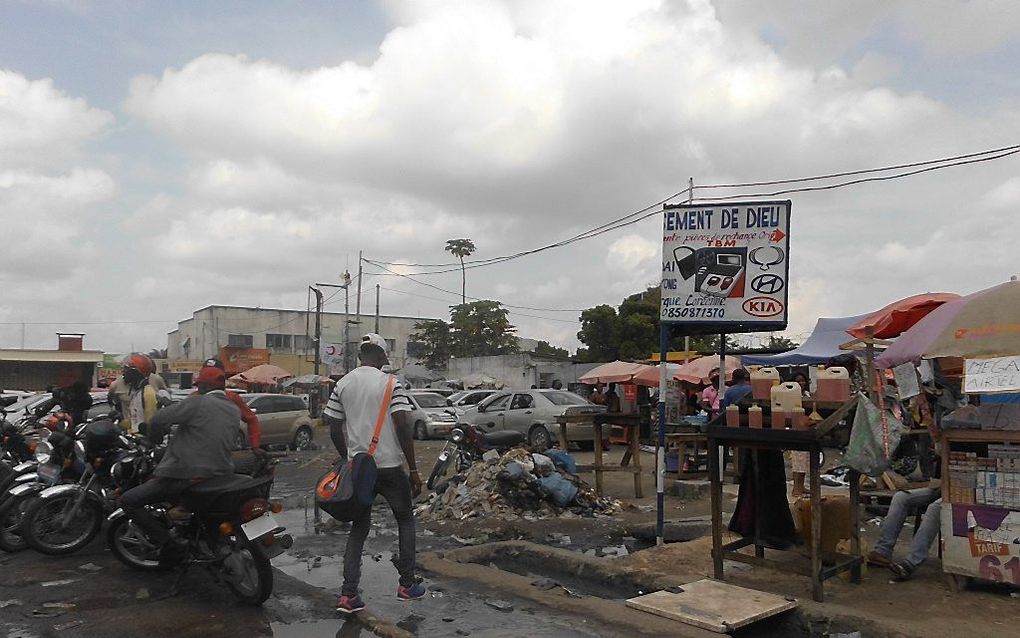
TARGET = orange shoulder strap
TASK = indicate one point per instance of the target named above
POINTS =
(379, 420)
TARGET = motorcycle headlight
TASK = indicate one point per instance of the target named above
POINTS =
(457, 435)
(43, 452)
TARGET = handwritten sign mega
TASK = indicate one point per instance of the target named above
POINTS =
(998, 374)
(725, 267)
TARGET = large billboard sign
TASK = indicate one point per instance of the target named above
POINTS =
(725, 267)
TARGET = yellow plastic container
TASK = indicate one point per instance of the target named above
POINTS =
(833, 384)
(755, 418)
(762, 381)
(733, 416)
(786, 397)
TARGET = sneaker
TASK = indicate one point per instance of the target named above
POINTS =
(414, 592)
(902, 570)
(349, 604)
(874, 558)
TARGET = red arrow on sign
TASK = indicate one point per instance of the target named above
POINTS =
(777, 235)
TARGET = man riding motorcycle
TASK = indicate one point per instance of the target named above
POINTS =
(71, 394)
(135, 392)
(247, 414)
(199, 449)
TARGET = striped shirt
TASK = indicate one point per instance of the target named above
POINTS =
(355, 401)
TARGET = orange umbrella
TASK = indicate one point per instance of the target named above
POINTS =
(697, 371)
(614, 372)
(265, 374)
(650, 377)
(900, 316)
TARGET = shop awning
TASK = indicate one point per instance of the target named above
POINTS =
(822, 345)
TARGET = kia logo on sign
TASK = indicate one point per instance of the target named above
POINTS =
(763, 307)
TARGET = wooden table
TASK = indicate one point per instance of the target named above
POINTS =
(682, 441)
(632, 458)
(810, 441)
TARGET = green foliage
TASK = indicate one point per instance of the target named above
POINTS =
(547, 349)
(461, 248)
(434, 335)
(481, 328)
(632, 332)
(600, 332)
(780, 343)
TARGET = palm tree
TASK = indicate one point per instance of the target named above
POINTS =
(461, 248)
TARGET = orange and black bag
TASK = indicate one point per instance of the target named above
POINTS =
(348, 489)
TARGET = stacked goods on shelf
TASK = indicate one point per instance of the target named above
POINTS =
(963, 472)
(998, 477)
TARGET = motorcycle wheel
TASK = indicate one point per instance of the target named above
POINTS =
(43, 534)
(12, 512)
(132, 547)
(439, 470)
(248, 573)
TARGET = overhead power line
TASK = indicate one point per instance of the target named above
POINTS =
(515, 314)
(457, 294)
(653, 209)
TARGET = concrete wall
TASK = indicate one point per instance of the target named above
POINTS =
(519, 371)
(201, 335)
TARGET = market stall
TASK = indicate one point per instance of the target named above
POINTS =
(975, 338)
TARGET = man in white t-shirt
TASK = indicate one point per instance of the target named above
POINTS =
(351, 414)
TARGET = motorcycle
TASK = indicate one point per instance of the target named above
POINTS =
(466, 446)
(79, 491)
(225, 524)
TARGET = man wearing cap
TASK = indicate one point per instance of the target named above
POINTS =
(251, 420)
(351, 414)
(207, 425)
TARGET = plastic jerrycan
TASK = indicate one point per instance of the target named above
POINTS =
(833, 384)
(762, 381)
(786, 404)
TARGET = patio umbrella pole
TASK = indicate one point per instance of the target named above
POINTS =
(660, 451)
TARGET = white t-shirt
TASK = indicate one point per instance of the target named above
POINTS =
(355, 401)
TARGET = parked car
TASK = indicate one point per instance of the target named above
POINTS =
(467, 398)
(533, 413)
(443, 392)
(432, 416)
(284, 419)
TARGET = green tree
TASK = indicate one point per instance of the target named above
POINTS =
(481, 328)
(434, 335)
(600, 333)
(780, 343)
(461, 248)
(547, 349)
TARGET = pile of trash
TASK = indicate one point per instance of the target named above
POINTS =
(518, 484)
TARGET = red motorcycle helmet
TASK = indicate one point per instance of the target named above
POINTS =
(140, 362)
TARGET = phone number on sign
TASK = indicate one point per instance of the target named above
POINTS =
(695, 313)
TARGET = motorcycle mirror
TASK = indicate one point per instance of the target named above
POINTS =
(449, 403)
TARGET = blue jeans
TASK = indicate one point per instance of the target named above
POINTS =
(904, 503)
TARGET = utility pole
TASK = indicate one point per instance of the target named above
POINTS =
(347, 322)
(318, 327)
(358, 304)
(377, 308)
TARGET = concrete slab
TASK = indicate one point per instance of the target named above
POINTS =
(710, 604)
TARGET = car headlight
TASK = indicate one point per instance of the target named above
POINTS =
(43, 452)
(457, 435)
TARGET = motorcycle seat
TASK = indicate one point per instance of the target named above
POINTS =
(226, 484)
(506, 438)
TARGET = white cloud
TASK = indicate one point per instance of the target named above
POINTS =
(40, 126)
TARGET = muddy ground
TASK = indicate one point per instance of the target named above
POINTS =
(91, 594)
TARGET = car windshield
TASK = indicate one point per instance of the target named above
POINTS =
(430, 400)
(565, 398)
(457, 396)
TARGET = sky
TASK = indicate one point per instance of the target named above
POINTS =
(159, 157)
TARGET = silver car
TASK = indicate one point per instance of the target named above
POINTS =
(433, 417)
(533, 413)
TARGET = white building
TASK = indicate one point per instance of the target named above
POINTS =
(286, 334)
